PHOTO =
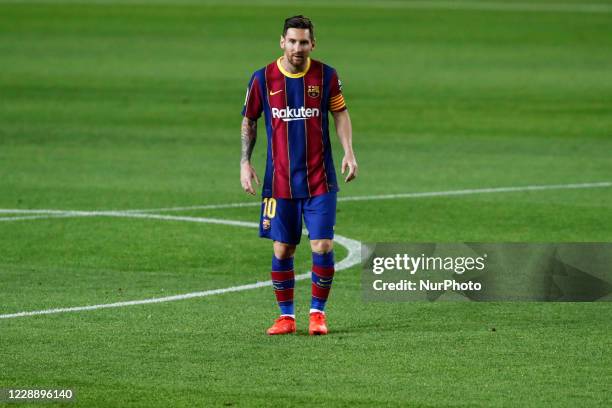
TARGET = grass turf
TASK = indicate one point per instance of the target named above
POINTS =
(110, 106)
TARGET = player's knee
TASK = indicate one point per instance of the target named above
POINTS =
(283, 251)
(322, 246)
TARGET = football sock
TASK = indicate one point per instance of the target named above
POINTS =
(283, 280)
(322, 277)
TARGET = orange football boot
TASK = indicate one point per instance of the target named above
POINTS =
(282, 325)
(317, 324)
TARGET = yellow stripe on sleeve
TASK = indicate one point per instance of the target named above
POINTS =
(337, 107)
(338, 102)
(336, 98)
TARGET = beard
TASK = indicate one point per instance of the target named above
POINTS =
(297, 60)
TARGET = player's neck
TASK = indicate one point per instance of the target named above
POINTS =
(292, 69)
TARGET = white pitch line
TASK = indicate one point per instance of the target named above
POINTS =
(480, 191)
(470, 191)
(34, 217)
(200, 207)
(122, 214)
(42, 211)
(488, 190)
(352, 258)
(162, 217)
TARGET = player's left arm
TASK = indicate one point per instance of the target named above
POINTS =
(344, 130)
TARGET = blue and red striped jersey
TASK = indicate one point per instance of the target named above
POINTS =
(299, 160)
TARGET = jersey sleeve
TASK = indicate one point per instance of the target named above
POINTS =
(252, 103)
(336, 100)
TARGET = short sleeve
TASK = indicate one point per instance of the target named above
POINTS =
(252, 103)
(336, 99)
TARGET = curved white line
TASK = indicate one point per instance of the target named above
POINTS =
(352, 246)
(352, 258)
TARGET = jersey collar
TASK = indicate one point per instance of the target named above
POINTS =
(289, 74)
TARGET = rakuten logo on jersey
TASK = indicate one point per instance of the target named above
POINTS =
(288, 114)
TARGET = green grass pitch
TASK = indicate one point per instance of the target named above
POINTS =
(111, 105)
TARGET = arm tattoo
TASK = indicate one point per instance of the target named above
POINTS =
(249, 136)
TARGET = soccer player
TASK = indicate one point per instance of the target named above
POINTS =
(295, 95)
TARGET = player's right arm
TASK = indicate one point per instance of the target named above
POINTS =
(247, 172)
(251, 112)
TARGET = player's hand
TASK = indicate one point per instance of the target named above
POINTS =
(349, 162)
(247, 174)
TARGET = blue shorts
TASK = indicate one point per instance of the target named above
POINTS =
(281, 218)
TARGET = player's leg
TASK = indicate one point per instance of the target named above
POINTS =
(281, 222)
(322, 272)
(283, 277)
(320, 218)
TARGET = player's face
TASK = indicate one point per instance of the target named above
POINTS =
(297, 46)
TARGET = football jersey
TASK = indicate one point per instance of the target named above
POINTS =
(295, 106)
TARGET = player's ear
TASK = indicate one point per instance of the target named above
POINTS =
(282, 42)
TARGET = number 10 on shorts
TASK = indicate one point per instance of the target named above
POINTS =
(269, 209)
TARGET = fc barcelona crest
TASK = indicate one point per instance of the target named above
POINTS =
(314, 91)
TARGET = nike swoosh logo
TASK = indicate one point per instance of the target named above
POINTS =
(274, 93)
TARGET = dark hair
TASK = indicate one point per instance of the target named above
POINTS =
(299, 22)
